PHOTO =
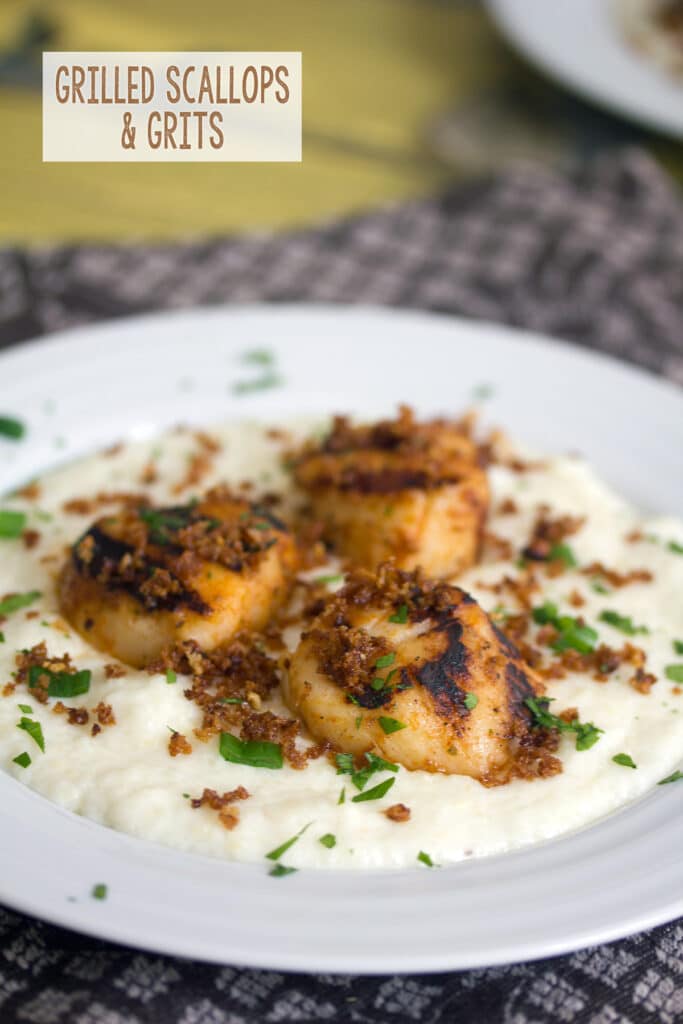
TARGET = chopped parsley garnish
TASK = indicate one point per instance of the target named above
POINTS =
(344, 764)
(263, 383)
(61, 684)
(378, 684)
(386, 660)
(563, 553)
(2, 639)
(342, 796)
(328, 840)
(259, 357)
(678, 646)
(279, 850)
(359, 778)
(171, 676)
(674, 673)
(280, 871)
(571, 633)
(11, 523)
(332, 578)
(376, 793)
(256, 753)
(425, 859)
(99, 891)
(163, 522)
(17, 601)
(587, 734)
(625, 760)
(35, 731)
(26, 709)
(400, 616)
(471, 701)
(11, 428)
(599, 587)
(390, 725)
(232, 700)
(675, 777)
(621, 622)
(359, 721)
(674, 546)
(23, 760)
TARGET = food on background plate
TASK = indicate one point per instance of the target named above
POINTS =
(655, 29)
(402, 644)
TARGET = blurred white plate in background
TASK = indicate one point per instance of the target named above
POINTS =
(580, 43)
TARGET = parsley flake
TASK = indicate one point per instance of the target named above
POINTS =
(471, 701)
(279, 850)
(26, 709)
(262, 383)
(171, 676)
(563, 553)
(671, 778)
(23, 760)
(257, 754)
(280, 871)
(99, 891)
(35, 731)
(674, 546)
(16, 601)
(332, 578)
(61, 684)
(342, 796)
(376, 793)
(621, 622)
(390, 725)
(328, 840)
(258, 357)
(571, 633)
(674, 673)
(625, 760)
(12, 429)
(425, 859)
(11, 523)
(678, 646)
(386, 660)
(400, 616)
(587, 734)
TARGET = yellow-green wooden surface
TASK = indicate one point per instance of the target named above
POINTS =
(376, 73)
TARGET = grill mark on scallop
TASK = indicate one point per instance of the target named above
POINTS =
(385, 481)
(107, 553)
(506, 643)
(519, 689)
(440, 675)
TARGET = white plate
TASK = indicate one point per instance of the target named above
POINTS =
(138, 376)
(580, 43)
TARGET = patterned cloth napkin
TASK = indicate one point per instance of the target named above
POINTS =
(595, 256)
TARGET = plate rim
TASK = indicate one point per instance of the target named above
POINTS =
(72, 916)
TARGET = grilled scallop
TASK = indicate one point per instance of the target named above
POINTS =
(149, 577)
(417, 673)
(413, 492)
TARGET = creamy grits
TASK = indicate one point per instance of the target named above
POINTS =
(125, 778)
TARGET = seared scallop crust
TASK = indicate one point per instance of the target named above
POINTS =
(149, 577)
(416, 672)
(414, 492)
